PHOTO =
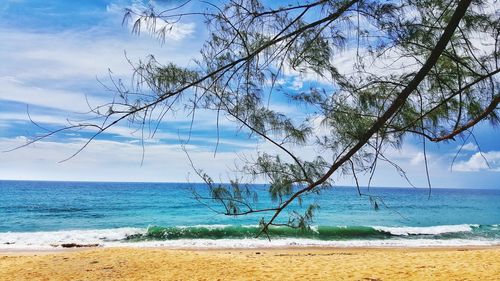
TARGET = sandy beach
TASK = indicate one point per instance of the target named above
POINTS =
(254, 264)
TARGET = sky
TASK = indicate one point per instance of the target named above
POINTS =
(56, 55)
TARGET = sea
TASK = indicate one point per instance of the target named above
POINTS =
(40, 215)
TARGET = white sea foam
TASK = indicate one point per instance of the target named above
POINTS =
(45, 239)
(210, 226)
(114, 238)
(428, 230)
(292, 242)
(315, 228)
(263, 243)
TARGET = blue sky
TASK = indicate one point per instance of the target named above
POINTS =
(52, 54)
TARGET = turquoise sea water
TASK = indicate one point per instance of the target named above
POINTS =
(39, 214)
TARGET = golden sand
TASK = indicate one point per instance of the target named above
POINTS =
(257, 264)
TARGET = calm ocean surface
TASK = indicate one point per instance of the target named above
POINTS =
(44, 214)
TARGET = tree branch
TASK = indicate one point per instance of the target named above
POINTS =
(393, 108)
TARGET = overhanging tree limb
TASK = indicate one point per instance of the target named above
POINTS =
(393, 108)
(491, 107)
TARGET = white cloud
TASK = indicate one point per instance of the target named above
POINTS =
(297, 83)
(58, 69)
(59, 121)
(172, 31)
(410, 158)
(109, 160)
(106, 161)
(167, 32)
(12, 89)
(478, 163)
(84, 55)
(418, 159)
(468, 147)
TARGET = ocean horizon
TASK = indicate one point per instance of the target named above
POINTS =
(47, 214)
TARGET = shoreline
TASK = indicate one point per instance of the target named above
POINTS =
(27, 251)
(458, 263)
